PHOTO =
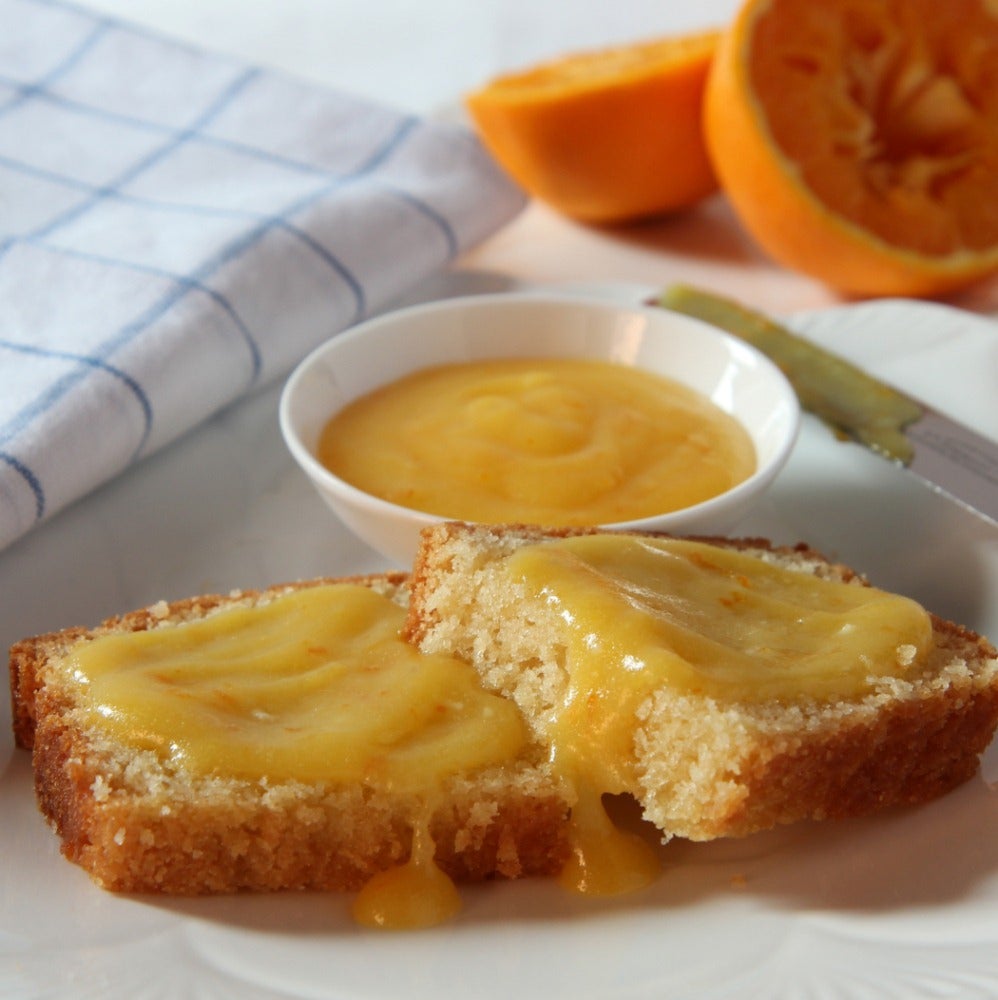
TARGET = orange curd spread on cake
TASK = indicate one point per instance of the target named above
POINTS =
(642, 614)
(314, 686)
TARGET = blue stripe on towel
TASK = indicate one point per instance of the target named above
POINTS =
(106, 193)
(23, 92)
(369, 166)
(32, 481)
(156, 156)
(49, 398)
(189, 283)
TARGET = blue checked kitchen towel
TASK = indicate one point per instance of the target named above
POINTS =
(177, 228)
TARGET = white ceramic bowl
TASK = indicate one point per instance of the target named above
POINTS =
(734, 375)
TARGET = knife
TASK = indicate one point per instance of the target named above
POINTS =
(948, 456)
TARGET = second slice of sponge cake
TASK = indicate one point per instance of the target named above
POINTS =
(273, 740)
(729, 686)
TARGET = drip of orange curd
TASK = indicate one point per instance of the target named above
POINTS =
(605, 860)
(412, 895)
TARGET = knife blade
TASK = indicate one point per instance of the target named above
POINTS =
(956, 461)
(946, 455)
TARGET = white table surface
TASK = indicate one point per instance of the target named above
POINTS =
(224, 507)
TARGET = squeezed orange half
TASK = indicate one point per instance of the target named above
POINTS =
(858, 139)
(605, 136)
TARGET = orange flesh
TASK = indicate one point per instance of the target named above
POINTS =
(606, 67)
(607, 135)
(890, 112)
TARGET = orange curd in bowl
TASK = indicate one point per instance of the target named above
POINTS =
(555, 441)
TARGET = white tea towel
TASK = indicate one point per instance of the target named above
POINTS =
(178, 228)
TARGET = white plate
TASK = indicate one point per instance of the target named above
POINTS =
(901, 905)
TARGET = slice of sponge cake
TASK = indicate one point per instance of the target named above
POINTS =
(187, 748)
(729, 686)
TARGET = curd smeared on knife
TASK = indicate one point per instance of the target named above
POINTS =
(560, 441)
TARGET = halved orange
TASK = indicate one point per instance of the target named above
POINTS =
(858, 139)
(608, 135)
